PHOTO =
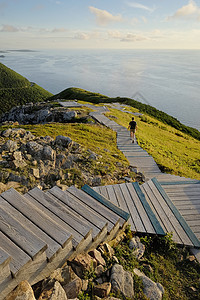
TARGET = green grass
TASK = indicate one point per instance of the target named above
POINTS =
(175, 152)
(100, 140)
(80, 94)
(17, 90)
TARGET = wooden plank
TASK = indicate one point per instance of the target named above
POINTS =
(78, 223)
(20, 234)
(19, 257)
(160, 211)
(191, 217)
(183, 182)
(158, 228)
(132, 209)
(37, 216)
(53, 246)
(181, 220)
(103, 192)
(90, 216)
(48, 204)
(122, 204)
(141, 211)
(111, 207)
(111, 195)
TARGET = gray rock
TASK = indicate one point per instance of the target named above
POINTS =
(6, 133)
(73, 288)
(63, 141)
(122, 281)
(48, 153)
(152, 290)
(137, 247)
(10, 146)
(42, 115)
(34, 148)
(60, 160)
(96, 181)
(68, 115)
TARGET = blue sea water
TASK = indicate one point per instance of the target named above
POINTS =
(166, 79)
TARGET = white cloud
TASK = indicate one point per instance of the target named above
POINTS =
(103, 17)
(9, 28)
(141, 6)
(132, 37)
(191, 10)
(82, 36)
(59, 30)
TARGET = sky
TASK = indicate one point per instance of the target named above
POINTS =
(108, 24)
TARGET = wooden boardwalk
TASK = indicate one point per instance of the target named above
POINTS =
(39, 231)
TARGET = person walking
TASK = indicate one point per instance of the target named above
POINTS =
(133, 127)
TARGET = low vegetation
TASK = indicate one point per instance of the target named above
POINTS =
(165, 263)
(80, 94)
(175, 152)
(17, 90)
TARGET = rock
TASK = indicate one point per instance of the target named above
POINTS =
(68, 115)
(102, 290)
(18, 164)
(152, 290)
(34, 148)
(17, 155)
(85, 284)
(115, 259)
(63, 141)
(82, 263)
(6, 133)
(48, 153)
(106, 249)
(22, 292)
(10, 146)
(35, 172)
(137, 247)
(99, 270)
(73, 288)
(54, 293)
(122, 281)
(97, 255)
(43, 115)
(60, 160)
(96, 181)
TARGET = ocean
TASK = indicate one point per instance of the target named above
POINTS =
(166, 79)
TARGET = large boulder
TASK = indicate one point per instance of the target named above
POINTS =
(63, 141)
(48, 153)
(73, 288)
(122, 281)
(152, 290)
(22, 292)
(102, 290)
(10, 146)
(34, 148)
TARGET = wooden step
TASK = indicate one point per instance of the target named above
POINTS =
(168, 214)
(37, 215)
(130, 197)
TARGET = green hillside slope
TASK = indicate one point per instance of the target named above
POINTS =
(17, 90)
(80, 94)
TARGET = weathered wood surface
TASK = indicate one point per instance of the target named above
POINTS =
(169, 215)
(130, 198)
(39, 231)
(186, 197)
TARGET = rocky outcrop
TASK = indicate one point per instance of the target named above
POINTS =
(152, 290)
(37, 113)
(44, 161)
(70, 280)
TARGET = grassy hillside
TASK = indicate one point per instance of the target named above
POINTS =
(75, 93)
(17, 90)
(175, 152)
